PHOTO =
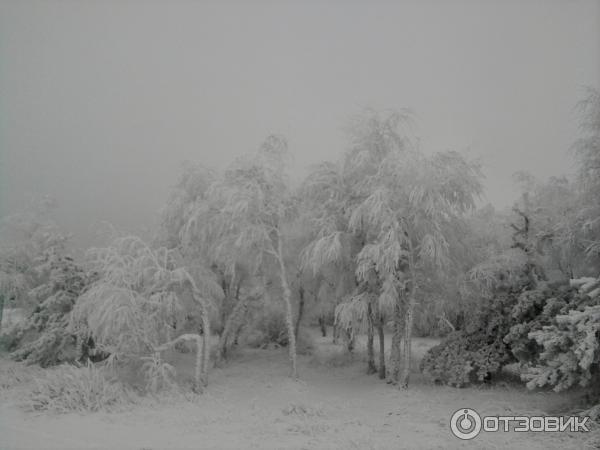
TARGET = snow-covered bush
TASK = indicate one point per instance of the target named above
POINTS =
(569, 345)
(71, 388)
(43, 337)
(477, 352)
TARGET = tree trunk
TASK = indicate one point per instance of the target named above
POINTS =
(409, 316)
(200, 376)
(1, 309)
(287, 297)
(322, 326)
(205, 346)
(408, 340)
(522, 239)
(335, 333)
(350, 339)
(238, 331)
(225, 305)
(198, 388)
(230, 324)
(300, 311)
(396, 352)
(381, 348)
(371, 368)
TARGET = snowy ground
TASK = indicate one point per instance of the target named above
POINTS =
(251, 403)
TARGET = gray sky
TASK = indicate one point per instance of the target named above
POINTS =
(101, 102)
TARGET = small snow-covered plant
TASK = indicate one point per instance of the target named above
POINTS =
(159, 375)
(13, 374)
(140, 301)
(72, 388)
(271, 328)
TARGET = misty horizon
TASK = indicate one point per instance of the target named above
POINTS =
(103, 103)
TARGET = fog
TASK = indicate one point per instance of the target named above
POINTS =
(101, 102)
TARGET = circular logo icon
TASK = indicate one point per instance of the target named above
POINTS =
(465, 423)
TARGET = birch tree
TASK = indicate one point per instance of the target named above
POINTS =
(335, 190)
(190, 224)
(413, 200)
(140, 293)
(256, 205)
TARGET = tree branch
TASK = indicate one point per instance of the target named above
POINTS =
(183, 337)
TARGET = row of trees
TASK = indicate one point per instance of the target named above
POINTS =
(385, 234)
(385, 214)
(541, 292)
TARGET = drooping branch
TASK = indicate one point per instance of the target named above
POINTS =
(181, 338)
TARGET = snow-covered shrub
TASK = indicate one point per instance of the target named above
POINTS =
(43, 337)
(272, 326)
(305, 344)
(71, 388)
(477, 352)
(570, 351)
(14, 374)
(159, 375)
(536, 310)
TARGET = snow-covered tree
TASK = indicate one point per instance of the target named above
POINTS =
(43, 337)
(414, 201)
(137, 305)
(334, 191)
(587, 151)
(26, 240)
(255, 204)
(38, 276)
(191, 224)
